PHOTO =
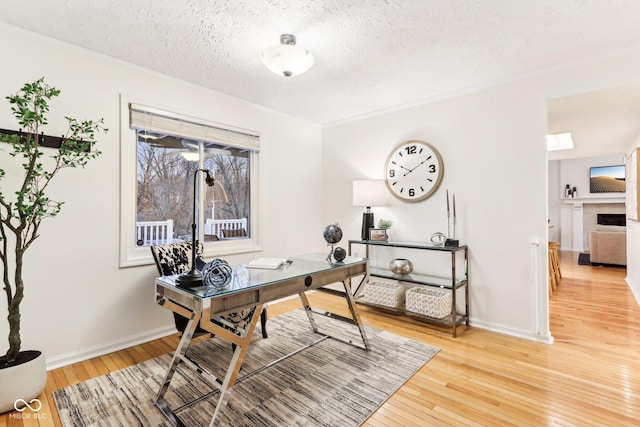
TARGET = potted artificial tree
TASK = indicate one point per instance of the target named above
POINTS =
(22, 208)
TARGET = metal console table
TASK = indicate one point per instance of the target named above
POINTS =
(253, 288)
(454, 281)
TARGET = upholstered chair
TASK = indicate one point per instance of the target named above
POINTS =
(175, 258)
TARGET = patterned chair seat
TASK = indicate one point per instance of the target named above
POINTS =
(175, 258)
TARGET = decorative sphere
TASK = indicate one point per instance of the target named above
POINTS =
(332, 233)
(401, 266)
(217, 273)
(339, 254)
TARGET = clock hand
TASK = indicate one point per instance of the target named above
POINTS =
(416, 166)
(402, 167)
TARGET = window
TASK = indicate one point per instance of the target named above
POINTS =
(169, 149)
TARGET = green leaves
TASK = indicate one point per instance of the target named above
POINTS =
(30, 104)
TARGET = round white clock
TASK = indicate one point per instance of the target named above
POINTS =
(413, 171)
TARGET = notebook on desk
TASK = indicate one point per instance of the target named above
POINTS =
(267, 263)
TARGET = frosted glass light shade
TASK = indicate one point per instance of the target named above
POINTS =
(369, 192)
(287, 59)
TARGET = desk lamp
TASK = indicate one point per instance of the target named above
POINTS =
(193, 278)
(367, 193)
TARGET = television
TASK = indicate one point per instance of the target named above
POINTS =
(607, 179)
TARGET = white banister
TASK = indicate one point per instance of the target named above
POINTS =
(154, 232)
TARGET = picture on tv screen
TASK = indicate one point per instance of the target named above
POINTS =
(607, 179)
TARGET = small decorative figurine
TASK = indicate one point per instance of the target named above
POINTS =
(217, 273)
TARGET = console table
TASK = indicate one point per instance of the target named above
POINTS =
(421, 277)
(253, 288)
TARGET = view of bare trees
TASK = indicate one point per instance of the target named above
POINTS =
(230, 195)
(165, 186)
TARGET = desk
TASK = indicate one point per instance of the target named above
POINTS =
(253, 288)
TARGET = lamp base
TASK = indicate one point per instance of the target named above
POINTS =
(367, 223)
(452, 242)
(191, 279)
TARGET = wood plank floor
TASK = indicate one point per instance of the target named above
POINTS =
(590, 376)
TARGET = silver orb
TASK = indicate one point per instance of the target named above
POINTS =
(401, 266)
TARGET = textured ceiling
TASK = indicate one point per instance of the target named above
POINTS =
(370, 55)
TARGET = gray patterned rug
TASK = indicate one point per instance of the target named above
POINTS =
(329, 384)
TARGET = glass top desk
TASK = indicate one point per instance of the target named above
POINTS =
(253, 288)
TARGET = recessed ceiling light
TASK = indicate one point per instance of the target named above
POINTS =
(559, 141)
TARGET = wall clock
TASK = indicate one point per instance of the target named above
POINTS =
(413, 171)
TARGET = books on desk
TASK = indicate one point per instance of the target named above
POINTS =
(267, 263)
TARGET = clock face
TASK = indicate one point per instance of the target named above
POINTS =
(413, 171)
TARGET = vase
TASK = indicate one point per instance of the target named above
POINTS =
(23, 381)
(401, 266)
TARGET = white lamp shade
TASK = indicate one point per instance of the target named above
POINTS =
(287, 60)
(369, 192)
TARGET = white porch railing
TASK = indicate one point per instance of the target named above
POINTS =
(154, 232)
(161, 232)
(214, 227)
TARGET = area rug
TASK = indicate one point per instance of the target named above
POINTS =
(328, 384)
(584, 259)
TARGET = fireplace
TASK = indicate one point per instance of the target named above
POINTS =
(593, 215)
(618, 219)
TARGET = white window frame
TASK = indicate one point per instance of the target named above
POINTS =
(133, 255)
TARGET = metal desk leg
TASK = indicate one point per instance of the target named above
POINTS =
(354, 320)
(177, 357)
(225, 386)
(355, 314)
(242, 344)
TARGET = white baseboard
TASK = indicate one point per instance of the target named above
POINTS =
(109, 347)
(541, 338)
(635, 289)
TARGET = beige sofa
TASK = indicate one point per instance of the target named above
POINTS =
(608, 247)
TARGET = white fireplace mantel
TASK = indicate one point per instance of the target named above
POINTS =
(578, 215)
(586, 200)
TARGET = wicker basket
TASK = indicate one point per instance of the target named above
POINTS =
(385, 294)
(429, 302)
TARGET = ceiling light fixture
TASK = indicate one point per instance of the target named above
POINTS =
(287, 59)
(559, 141)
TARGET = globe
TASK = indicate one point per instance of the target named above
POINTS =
(339, 254)
(332, 233)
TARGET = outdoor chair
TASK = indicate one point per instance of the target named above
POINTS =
(233, 233)
(175, 258)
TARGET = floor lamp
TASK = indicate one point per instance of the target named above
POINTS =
(193, 278)
(368, 193)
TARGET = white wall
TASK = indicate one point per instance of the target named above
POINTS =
(574, 172)
(633, 246)
(493, 145)
(78, 301)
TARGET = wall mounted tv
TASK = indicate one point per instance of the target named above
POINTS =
(607, 179)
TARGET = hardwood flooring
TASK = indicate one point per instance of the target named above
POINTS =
(590, 376)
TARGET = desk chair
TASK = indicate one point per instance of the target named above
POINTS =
(175, 258)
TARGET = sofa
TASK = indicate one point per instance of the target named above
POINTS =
(608, 247)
